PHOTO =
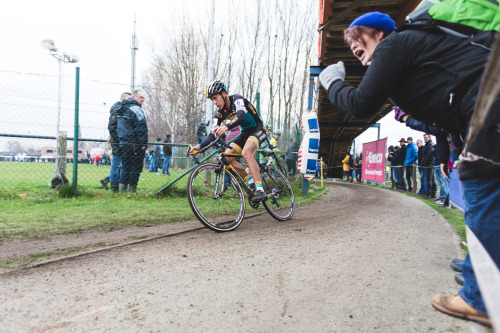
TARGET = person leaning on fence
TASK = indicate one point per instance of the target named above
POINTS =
(157, 156)
(391, 157)
(428, 164)
(441, 180)
(292, 157)
(114, 140)
(201, 131)
(133, 133)
(167, 153)
(421, 170)
(345, 167)
(357, 168)
(410, 158)
(436, 78)
(399, 163)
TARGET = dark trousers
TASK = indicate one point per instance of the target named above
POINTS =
(292, 166)
(430, 183)
(401, 178)
(409, 176)
(131, 164)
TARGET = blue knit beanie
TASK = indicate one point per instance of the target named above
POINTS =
(375, 20)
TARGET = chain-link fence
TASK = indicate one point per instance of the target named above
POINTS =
(37, 107)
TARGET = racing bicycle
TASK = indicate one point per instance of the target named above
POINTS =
(216, 191)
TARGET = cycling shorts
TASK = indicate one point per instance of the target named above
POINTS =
(256, 134)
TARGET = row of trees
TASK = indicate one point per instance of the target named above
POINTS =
(261, 47)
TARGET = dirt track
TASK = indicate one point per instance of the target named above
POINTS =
(361, 259)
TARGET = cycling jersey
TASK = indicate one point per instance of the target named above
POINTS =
(241, 112)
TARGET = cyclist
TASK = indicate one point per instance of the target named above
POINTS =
(273, 145)
(237, 110)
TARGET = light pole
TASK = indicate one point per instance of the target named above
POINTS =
(48, 44)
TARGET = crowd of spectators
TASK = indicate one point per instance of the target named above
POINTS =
(408, 157)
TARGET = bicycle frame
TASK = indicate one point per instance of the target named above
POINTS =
(220, 145)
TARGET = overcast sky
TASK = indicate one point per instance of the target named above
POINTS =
(99, 32)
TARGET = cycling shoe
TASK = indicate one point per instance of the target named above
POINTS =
(259, 196)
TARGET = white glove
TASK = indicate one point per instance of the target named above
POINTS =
(332, 73)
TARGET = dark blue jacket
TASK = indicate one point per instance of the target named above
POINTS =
(132, 126)
(112, 128)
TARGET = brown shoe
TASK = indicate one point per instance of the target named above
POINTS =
(455, 306)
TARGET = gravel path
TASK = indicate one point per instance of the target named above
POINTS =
(361, 259)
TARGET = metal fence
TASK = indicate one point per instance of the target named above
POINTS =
(36, 107)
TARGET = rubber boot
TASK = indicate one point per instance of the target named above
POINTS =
(122, 188)
(132, 188)
(115, 187)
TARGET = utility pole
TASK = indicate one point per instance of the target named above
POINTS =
(134, 48)
(210, 73)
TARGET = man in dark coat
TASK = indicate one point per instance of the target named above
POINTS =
(133, 133)
(114, 140)
(428, 165)
(167, 153)
(201, 132)
(291, 157)
(399, 162)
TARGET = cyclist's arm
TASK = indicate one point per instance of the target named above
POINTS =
(211, 136)
(237, 120)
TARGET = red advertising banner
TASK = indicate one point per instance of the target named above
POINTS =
(374, 160)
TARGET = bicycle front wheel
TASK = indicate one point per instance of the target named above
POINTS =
(280, 203)
(218, 206)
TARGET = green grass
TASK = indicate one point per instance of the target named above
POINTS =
(42, 212)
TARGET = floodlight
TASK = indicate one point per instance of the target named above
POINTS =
(49, 45)
(71, 58)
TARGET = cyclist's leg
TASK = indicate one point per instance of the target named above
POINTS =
(234, 163)
(248, 154)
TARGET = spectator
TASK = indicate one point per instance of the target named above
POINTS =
(167, 152)
(133, 133)
(157, 156)
(435, 77)
(320, 164)
(410, 158)
(292, 157)
(428, 164)
(421, 170)
(391, 157)
(345, 161)
(441, 180)
(400, 159)
(357, 168)
(114, 140)
(150, 159)
(201, 132)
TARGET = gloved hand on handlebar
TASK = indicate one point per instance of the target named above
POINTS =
(193, 149)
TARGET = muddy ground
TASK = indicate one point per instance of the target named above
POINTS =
(360, 259)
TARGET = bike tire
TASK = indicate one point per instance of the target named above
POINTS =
(222, 213)
(281, 206)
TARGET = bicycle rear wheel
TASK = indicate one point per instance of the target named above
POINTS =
(217, 209)
(281, 205)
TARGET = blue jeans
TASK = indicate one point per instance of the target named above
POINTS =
(154, 164)
(166, 165)
(482, 216)
(201, 138)
(423, 184)
(443, 183)
(116, 166)
(394, 174)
